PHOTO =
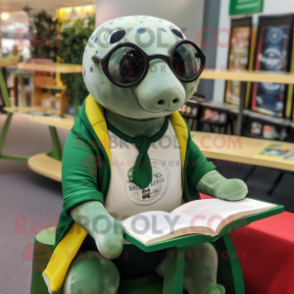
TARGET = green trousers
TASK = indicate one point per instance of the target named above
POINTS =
(90, 273)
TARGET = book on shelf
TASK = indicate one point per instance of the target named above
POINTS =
(273, 54)
(238, 57)
(200, 217)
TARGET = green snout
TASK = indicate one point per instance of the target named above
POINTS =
(160, 90)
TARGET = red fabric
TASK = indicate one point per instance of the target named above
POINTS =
(266, 253)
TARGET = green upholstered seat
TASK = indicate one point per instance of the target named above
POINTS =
(229, 272)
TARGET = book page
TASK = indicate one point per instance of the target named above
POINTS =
(153, 224)
(211, 213)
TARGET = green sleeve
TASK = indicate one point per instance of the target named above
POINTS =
(79, 171)
(197, 164)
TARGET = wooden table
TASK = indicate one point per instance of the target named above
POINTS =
(5, 63)
(46, 164)
(66, 122)
(237, 149)
(43, 163)
(214, 146)
(51, 67)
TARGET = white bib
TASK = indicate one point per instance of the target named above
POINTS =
(124, 198)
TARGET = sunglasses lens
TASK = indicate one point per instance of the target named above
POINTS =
(186, 61)
(126, 65)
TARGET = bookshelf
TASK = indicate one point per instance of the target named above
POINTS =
(247, 76)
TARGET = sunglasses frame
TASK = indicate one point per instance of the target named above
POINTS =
(147, 58)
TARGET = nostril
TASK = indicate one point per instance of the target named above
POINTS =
(176, 100)
(160, 102)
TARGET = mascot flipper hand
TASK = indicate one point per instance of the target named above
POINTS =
(128, 153)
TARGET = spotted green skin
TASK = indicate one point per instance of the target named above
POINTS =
(154, 36)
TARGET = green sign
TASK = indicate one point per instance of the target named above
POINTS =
(245, 6)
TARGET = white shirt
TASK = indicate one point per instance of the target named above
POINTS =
(124, 198)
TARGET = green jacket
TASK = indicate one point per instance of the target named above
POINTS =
(86, 171)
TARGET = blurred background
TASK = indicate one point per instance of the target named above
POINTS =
(245, 98)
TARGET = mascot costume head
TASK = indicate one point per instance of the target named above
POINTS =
(150, 62)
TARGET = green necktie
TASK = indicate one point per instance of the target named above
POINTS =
(142, 169)
(142, 176)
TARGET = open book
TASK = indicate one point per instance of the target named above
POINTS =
(206, 217)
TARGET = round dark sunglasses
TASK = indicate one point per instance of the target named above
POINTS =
(126, 64)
